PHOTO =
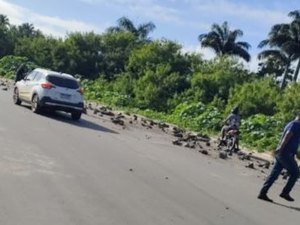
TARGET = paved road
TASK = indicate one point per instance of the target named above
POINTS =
(54, 171)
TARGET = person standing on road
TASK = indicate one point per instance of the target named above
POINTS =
(285, 158)
(21, 71)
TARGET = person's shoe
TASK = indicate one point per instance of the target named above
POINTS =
(264, 197)
(286, 197)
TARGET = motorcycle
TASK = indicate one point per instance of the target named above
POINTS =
(230, 141)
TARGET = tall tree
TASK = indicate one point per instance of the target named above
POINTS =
(295, 45)
(4, 21)
(5, 42)
(282, 67)
(28, 30)
(224, 41)
(141, 31)
(284, 40)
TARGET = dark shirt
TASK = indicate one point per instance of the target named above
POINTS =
(20, 73)
(292, 146)
(233, 120)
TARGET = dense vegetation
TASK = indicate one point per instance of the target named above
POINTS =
(123, 67)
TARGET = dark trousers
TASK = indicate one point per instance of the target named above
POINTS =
(289, 163)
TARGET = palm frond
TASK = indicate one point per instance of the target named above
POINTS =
(126, 24)
(241, 52)
(275, 54)
(294, 14)
(145, 29)
(244, 45)
(263, 43)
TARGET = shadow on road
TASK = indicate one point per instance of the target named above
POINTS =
(287, 206)
(66, 118)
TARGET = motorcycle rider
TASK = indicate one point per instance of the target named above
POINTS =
(233, 121)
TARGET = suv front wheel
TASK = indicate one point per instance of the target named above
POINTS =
(76, 115)
(35, 104)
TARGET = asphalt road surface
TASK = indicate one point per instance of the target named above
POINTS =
(54, 171)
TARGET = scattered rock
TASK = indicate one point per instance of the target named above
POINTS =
(204, 152)
(267, 165)
(178, 134)
(223, 155)
(90, 106)
(163, 125)
(167, 178)
(187, 137)
(107, 113)
(116, 120)
(177, 142)
(96, 111)
(250, 165)
(135, 117)
(4, 88)
(242, 157)
(202, 139)
(247, 156)
(131, 170)
(187, 145)
(120, 116)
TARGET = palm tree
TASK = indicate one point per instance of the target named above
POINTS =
(295, 27)
(4, 21)
(28, 30)
(284, 39)
(141, 31)
(223, 41)
(282, 59)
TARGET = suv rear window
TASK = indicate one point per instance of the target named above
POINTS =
(63, 82)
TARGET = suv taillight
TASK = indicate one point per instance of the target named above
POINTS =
(47, 85)
(80, 90)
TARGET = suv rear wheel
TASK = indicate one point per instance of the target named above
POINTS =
(35, 104)
(76, 115)
(16, 98)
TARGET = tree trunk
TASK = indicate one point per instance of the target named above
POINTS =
(297, 71)
(286, 71)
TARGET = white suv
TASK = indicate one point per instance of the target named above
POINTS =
(48, 89)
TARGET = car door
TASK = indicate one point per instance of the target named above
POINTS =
(27, 84)
(32, 85)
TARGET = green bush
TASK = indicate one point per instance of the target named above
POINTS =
(210, 120)
(289, 103)
(258, 96)
(261, 131)
(197, 117)
(9, 65)
(216, 78)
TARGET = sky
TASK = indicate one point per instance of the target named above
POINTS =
(177, 20)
